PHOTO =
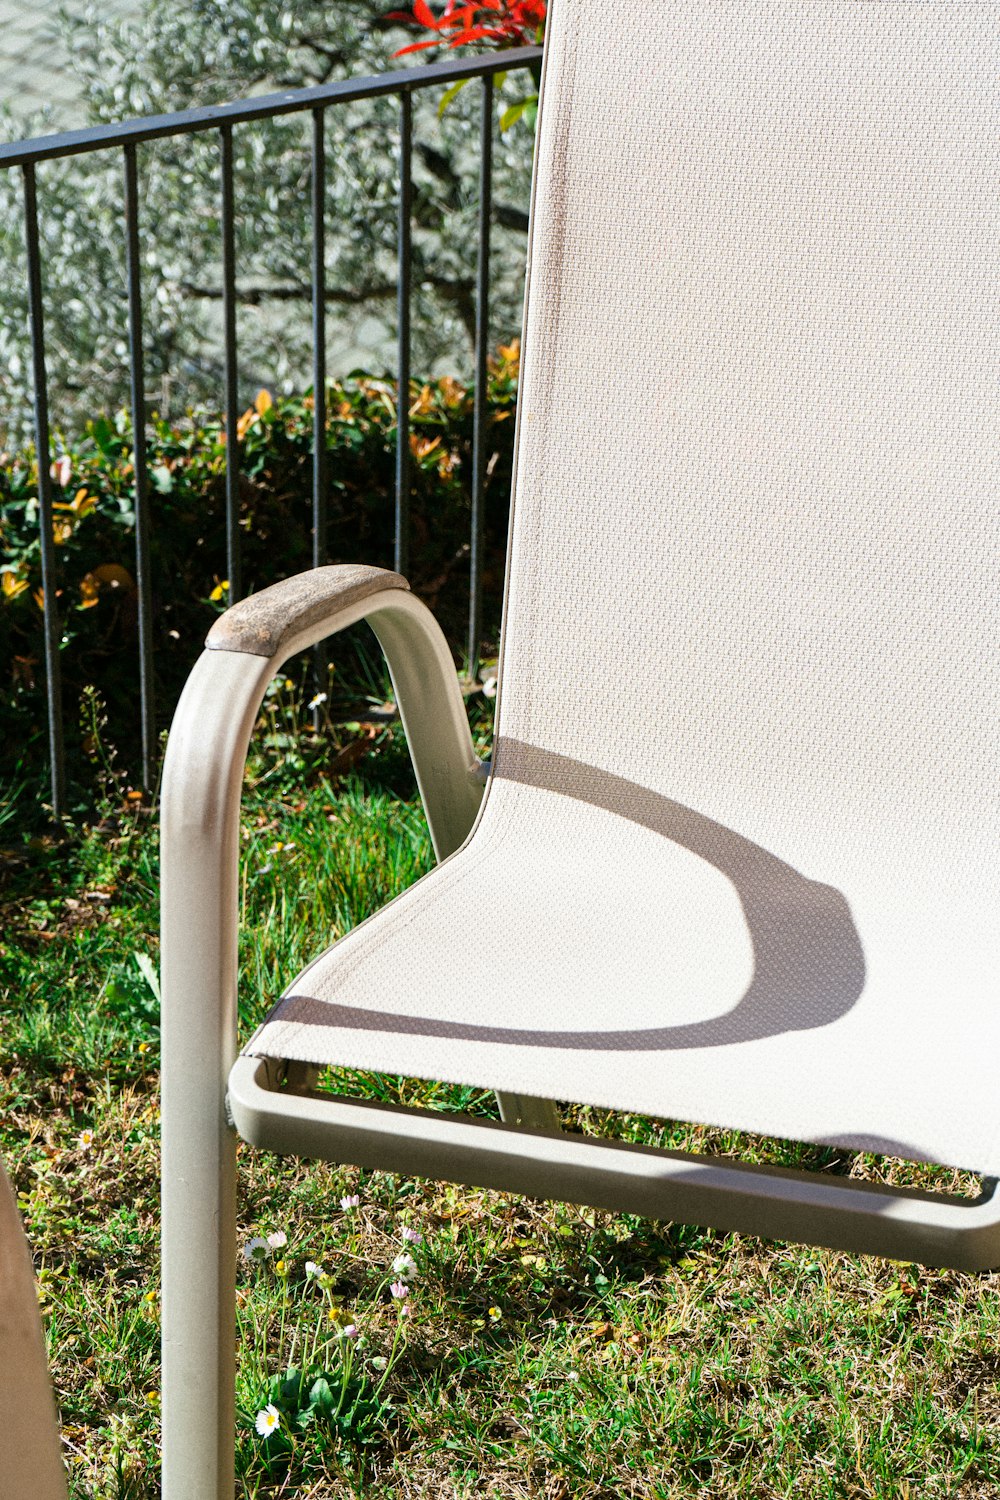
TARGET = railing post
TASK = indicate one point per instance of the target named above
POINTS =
(143, 569)
(320, 554)
(479, 414)
(52, 626)
(234, 568)
(402, 549)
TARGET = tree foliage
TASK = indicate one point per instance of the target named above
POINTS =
(204, 53)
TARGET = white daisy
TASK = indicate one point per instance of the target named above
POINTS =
(268, 1421)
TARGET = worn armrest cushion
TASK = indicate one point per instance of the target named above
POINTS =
(261, 624)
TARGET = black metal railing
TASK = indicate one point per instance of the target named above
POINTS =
(222, 119)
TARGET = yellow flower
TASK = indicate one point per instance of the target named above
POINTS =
(13, 585)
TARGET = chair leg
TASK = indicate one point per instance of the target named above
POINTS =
(199, 905)
(199, 1185)
(199, 1314)
(528, 1113)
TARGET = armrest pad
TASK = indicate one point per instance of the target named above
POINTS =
(261, 624)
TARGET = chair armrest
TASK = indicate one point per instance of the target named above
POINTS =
(247, 646)
(269, 623)
(199, 864)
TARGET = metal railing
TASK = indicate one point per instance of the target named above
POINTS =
(222, 119)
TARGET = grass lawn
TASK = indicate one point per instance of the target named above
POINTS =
(547, 1351)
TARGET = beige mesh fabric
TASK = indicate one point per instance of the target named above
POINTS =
(738, 862)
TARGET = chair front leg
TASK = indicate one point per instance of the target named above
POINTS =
(199, 858)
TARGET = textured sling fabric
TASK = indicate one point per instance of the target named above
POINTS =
(738, 862)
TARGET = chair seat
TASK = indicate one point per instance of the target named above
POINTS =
(595, 941)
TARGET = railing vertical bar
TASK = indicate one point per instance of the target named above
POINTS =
(143, 569)
(51, 626)
(402, 548)
(479, 417)
(234, 569)
(320, 543)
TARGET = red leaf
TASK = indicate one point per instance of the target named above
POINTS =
(419, 46)
(424, 14)
(471, 34)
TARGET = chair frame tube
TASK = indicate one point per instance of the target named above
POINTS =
(776, 1202)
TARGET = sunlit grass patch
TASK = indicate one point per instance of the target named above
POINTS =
(548, 1350)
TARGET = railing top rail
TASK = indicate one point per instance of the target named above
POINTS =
(242, 111)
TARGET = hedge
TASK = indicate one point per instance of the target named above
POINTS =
(94, 533)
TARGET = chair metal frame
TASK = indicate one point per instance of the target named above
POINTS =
(208, 1089)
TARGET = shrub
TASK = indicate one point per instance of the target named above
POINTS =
(94, 533)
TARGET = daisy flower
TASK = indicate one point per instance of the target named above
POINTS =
(268, 1421)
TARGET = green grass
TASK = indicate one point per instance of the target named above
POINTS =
(551, 1351)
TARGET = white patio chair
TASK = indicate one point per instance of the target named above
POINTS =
(31, 1465)
(738, 851)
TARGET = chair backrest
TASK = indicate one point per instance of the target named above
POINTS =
(755, 534)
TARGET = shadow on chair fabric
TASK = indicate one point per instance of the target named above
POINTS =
(809, 967)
